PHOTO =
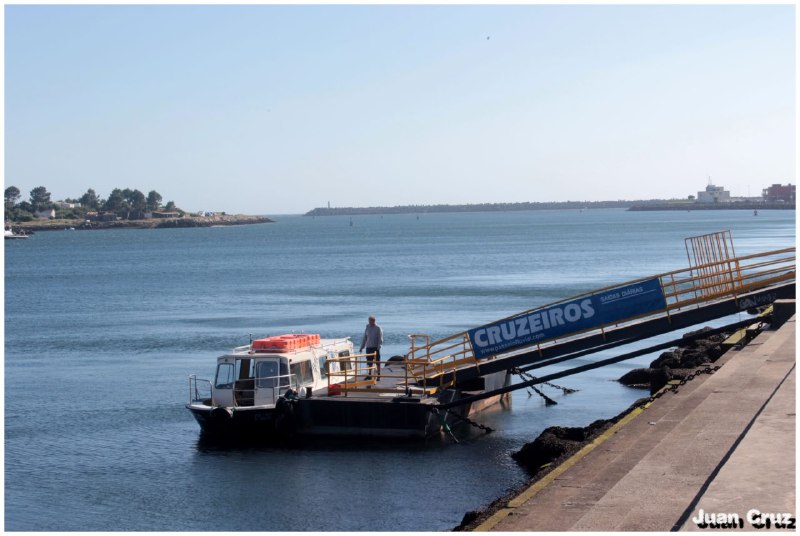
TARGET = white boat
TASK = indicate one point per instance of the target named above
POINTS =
(303, 385)
(253, 383)
(9, 234)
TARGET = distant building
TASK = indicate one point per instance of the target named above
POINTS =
(166, 214)
(714, 194)
(779, 193)
(64, 204)
(47, 214)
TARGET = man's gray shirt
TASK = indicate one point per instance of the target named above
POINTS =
(373, 337)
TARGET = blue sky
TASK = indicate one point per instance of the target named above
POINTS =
(279, 109)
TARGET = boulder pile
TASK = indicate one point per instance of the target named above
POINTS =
(678, 363)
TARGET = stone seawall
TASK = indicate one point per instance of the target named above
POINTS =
(713, 206)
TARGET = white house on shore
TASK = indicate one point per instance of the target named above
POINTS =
(48, 214)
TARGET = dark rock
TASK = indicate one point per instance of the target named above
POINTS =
(691, 359)
(556, 443)
(692, 353)
(639, 376)
(659, 379)
(551, 445)
(669, 359)
(696, 332)
(680, 374)
(468, 518)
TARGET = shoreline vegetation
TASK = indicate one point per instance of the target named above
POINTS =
(160, 223)
(637, 205)
(123, 209)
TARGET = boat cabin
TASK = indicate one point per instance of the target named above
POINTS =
(257, 374)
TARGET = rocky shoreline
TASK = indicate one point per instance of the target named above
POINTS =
(556, 444)
(166, 223)
(677, 364)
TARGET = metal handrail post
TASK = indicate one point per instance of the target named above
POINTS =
(408, 387)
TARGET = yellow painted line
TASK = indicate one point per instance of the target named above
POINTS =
(539, 485)
(498, 516)
(741, 335)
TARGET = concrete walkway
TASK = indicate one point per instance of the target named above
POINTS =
(725, 443)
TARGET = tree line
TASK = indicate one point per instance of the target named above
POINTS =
(124, 203)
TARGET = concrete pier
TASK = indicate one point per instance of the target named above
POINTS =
(723, 444)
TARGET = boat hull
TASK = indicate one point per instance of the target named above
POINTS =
(395, 417)
(223, 422)
(320, 417)
(386, 417)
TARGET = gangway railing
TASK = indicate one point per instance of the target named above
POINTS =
(359, 373)
(714, 274)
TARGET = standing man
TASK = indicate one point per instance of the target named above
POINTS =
(373, 339)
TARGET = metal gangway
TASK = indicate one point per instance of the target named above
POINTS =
(715, 284)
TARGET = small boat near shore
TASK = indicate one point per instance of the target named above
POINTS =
(303, 385)
(8, 234)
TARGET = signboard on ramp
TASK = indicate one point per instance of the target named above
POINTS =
(606, 307)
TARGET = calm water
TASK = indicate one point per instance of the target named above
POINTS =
(102, 329)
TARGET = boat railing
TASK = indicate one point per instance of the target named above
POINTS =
(358, 373)
(199, 390)
(343, 373)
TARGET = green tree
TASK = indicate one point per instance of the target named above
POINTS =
(40, 198)
(90, 200)
(137, 201)
(23, 212)
(12, 196)
(153, 200)
(170, 206)
(116, 202)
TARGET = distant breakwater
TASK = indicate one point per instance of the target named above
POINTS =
(639, 205)
(480, 207)
(169, 223)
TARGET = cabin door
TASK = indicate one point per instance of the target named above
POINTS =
(223, 385)
(271, 381)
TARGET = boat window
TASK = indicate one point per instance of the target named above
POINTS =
(323, 359)
(302, 372)
(224, 376)
(267, 373)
